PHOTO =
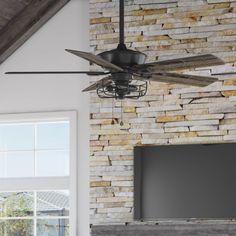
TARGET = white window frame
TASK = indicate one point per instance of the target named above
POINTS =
(48, 183)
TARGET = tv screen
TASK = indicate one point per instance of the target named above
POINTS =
(185, 181)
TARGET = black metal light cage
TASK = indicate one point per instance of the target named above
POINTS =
(132, 91)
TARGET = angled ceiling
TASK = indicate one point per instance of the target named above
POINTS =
(20, 19)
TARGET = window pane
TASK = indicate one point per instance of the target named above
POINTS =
(52, 163)
(16, 227)
(2, 165)
(20, 164)
(17, 204)
(55, 227)
(53, 203)
(16, 137)
(53, 135)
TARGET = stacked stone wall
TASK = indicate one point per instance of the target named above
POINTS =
(169, 113)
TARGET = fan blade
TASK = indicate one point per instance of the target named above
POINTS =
(57, 72)
(182, 63)
(193, 80)
(104, 82)
(226, 73)
(95, 59)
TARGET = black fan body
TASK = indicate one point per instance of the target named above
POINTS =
(127, 73)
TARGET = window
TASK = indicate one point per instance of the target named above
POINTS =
(38, 174)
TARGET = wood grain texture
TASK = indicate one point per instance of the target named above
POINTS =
(192, 80)
(183, 63)
(96, 60)
(103, 82)
(23, 19)
(185, 229)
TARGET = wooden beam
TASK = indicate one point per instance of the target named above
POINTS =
(26, 23)
(200, 228)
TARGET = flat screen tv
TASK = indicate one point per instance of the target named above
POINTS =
(184, 182)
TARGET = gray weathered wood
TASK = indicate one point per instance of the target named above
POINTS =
(183, 63)
(185, 229)
(95, 59)
(103, 82)
(32, 15)
(193, 80)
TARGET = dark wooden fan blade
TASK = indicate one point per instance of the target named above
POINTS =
(193, 80)
(182, 63)
(103, 82)
(225, 73)
(56, 72)
(95, 59)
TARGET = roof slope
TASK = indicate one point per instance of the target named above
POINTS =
(19, 20)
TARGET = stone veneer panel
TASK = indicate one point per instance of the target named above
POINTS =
(169, 113)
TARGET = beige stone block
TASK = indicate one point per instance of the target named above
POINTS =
(176, 129)
(142, 120)
(159, 136)
(101, 121)
(145, 12)
(124, 142)
(121, 137)
(96, 148)
(109, 131)
(115, 148)
(219, 100)
(147, 131)
(99, 163)
(192, 123)
(228, 122)
(151, 114)
(114, 210)
(113, 153)
(122, 163)
(188, 140)
(204, 128)
(100, 184)
(225, 108)
(160, 108)
(188, 112)
(124, 194)
(117, 178)
(154, 141)
(129, 109)
(114, 199)
(212, 133)
(121, 216)
(99, 159)
(162, 119)
(230, 116)
(231, 138)
(121, 158)
(227, 127)
(98, 143)
(205, 117)
(187, 134)
(113, 204)
(229, 93)
(122, 183)
(100, 20)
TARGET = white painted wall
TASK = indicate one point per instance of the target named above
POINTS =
(45, 51)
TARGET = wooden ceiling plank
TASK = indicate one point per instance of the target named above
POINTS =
(26, 23)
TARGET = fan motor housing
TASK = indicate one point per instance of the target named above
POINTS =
(123, 57)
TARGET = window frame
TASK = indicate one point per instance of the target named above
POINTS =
(48, 183)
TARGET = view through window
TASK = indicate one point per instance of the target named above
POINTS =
(35, 168)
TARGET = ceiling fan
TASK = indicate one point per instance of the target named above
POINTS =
(127, 73)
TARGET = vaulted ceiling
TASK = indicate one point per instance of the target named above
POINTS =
(19, 19)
